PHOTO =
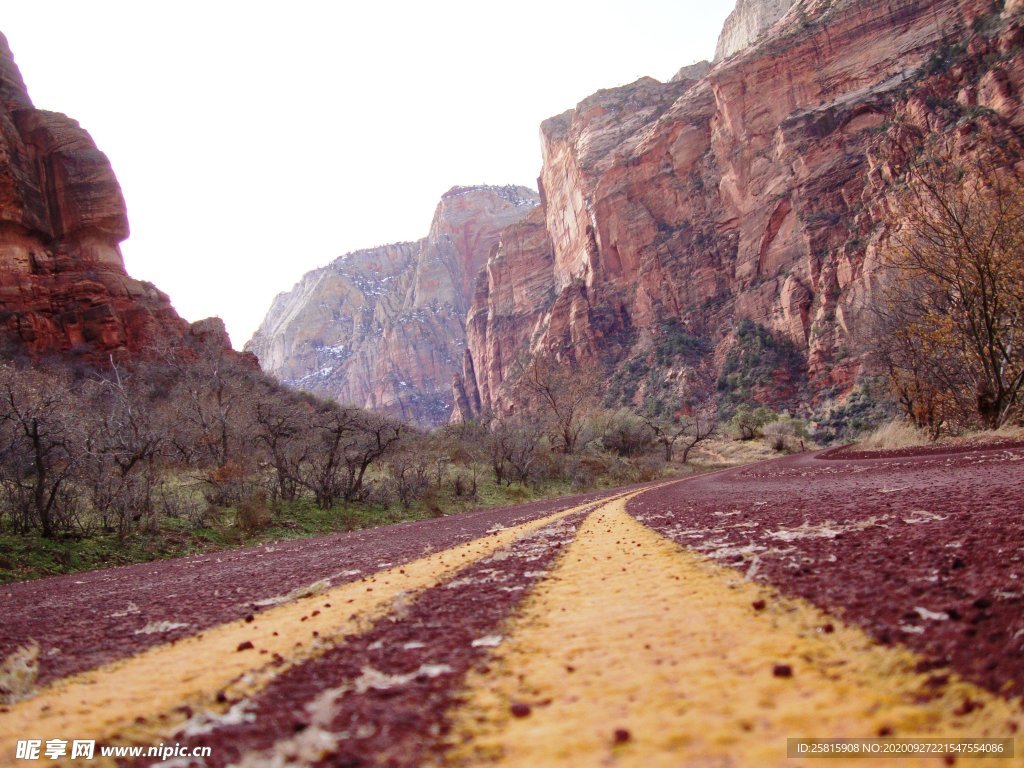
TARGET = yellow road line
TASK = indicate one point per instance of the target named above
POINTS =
(155, 684)
(632, 634)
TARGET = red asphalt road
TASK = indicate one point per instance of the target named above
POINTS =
(926, 551)
(83, 620)
(922, 550)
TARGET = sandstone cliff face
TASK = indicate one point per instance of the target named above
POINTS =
(385, 328)
(63, 286)
(513, 295)
(746, 194)
(747, 22)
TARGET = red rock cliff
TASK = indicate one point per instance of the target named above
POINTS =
(63, 285)
(745, 194)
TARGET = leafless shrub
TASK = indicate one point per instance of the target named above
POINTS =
(227, 484)
(40, 447)
(463, 484)
(626, 433)
(174, 501)
(409, 468)
(648, 468)
(514, 449)
(785, 434)
(252, 513)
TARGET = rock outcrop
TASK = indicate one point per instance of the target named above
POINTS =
(672, 211)
(692, 71)
(384, 328)
(63, 286)
(747, 22)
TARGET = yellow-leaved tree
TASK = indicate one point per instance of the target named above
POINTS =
(950, 321)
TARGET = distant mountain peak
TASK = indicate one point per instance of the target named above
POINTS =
(384, 328)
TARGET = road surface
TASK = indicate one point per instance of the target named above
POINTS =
(696, 622)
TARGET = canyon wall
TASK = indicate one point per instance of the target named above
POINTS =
(384, 328)
(676, 210)
(63, 286)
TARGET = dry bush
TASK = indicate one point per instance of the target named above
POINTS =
(626, 433)
(648, 468)
(411, 466)
(775, 435)
(172, 500)
(252, 513)
(228, 484)
(784, 435)
(515, 451)
(898, 433)
(585, 470)
(382, 492)
(725, 451)
(463, 484)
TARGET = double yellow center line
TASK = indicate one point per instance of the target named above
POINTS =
(144, 698)
(636, 652)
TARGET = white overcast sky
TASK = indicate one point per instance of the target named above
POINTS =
(255, 141)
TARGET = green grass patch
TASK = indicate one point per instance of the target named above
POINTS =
(30, 556)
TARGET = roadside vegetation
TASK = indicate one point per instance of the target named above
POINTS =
(949, 326)
(200, 452)
(900, 433)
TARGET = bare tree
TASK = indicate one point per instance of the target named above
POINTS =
(934, 389)
(39, 447)
(212, 409)
(409, 467)
(324, 474)
(122, 446)
(955, 269)
(524, 448)
(500, 446)
(378, 434)
(688, 431)
(513, 448)
(564, 393)
(345, 443)
(281, 422)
